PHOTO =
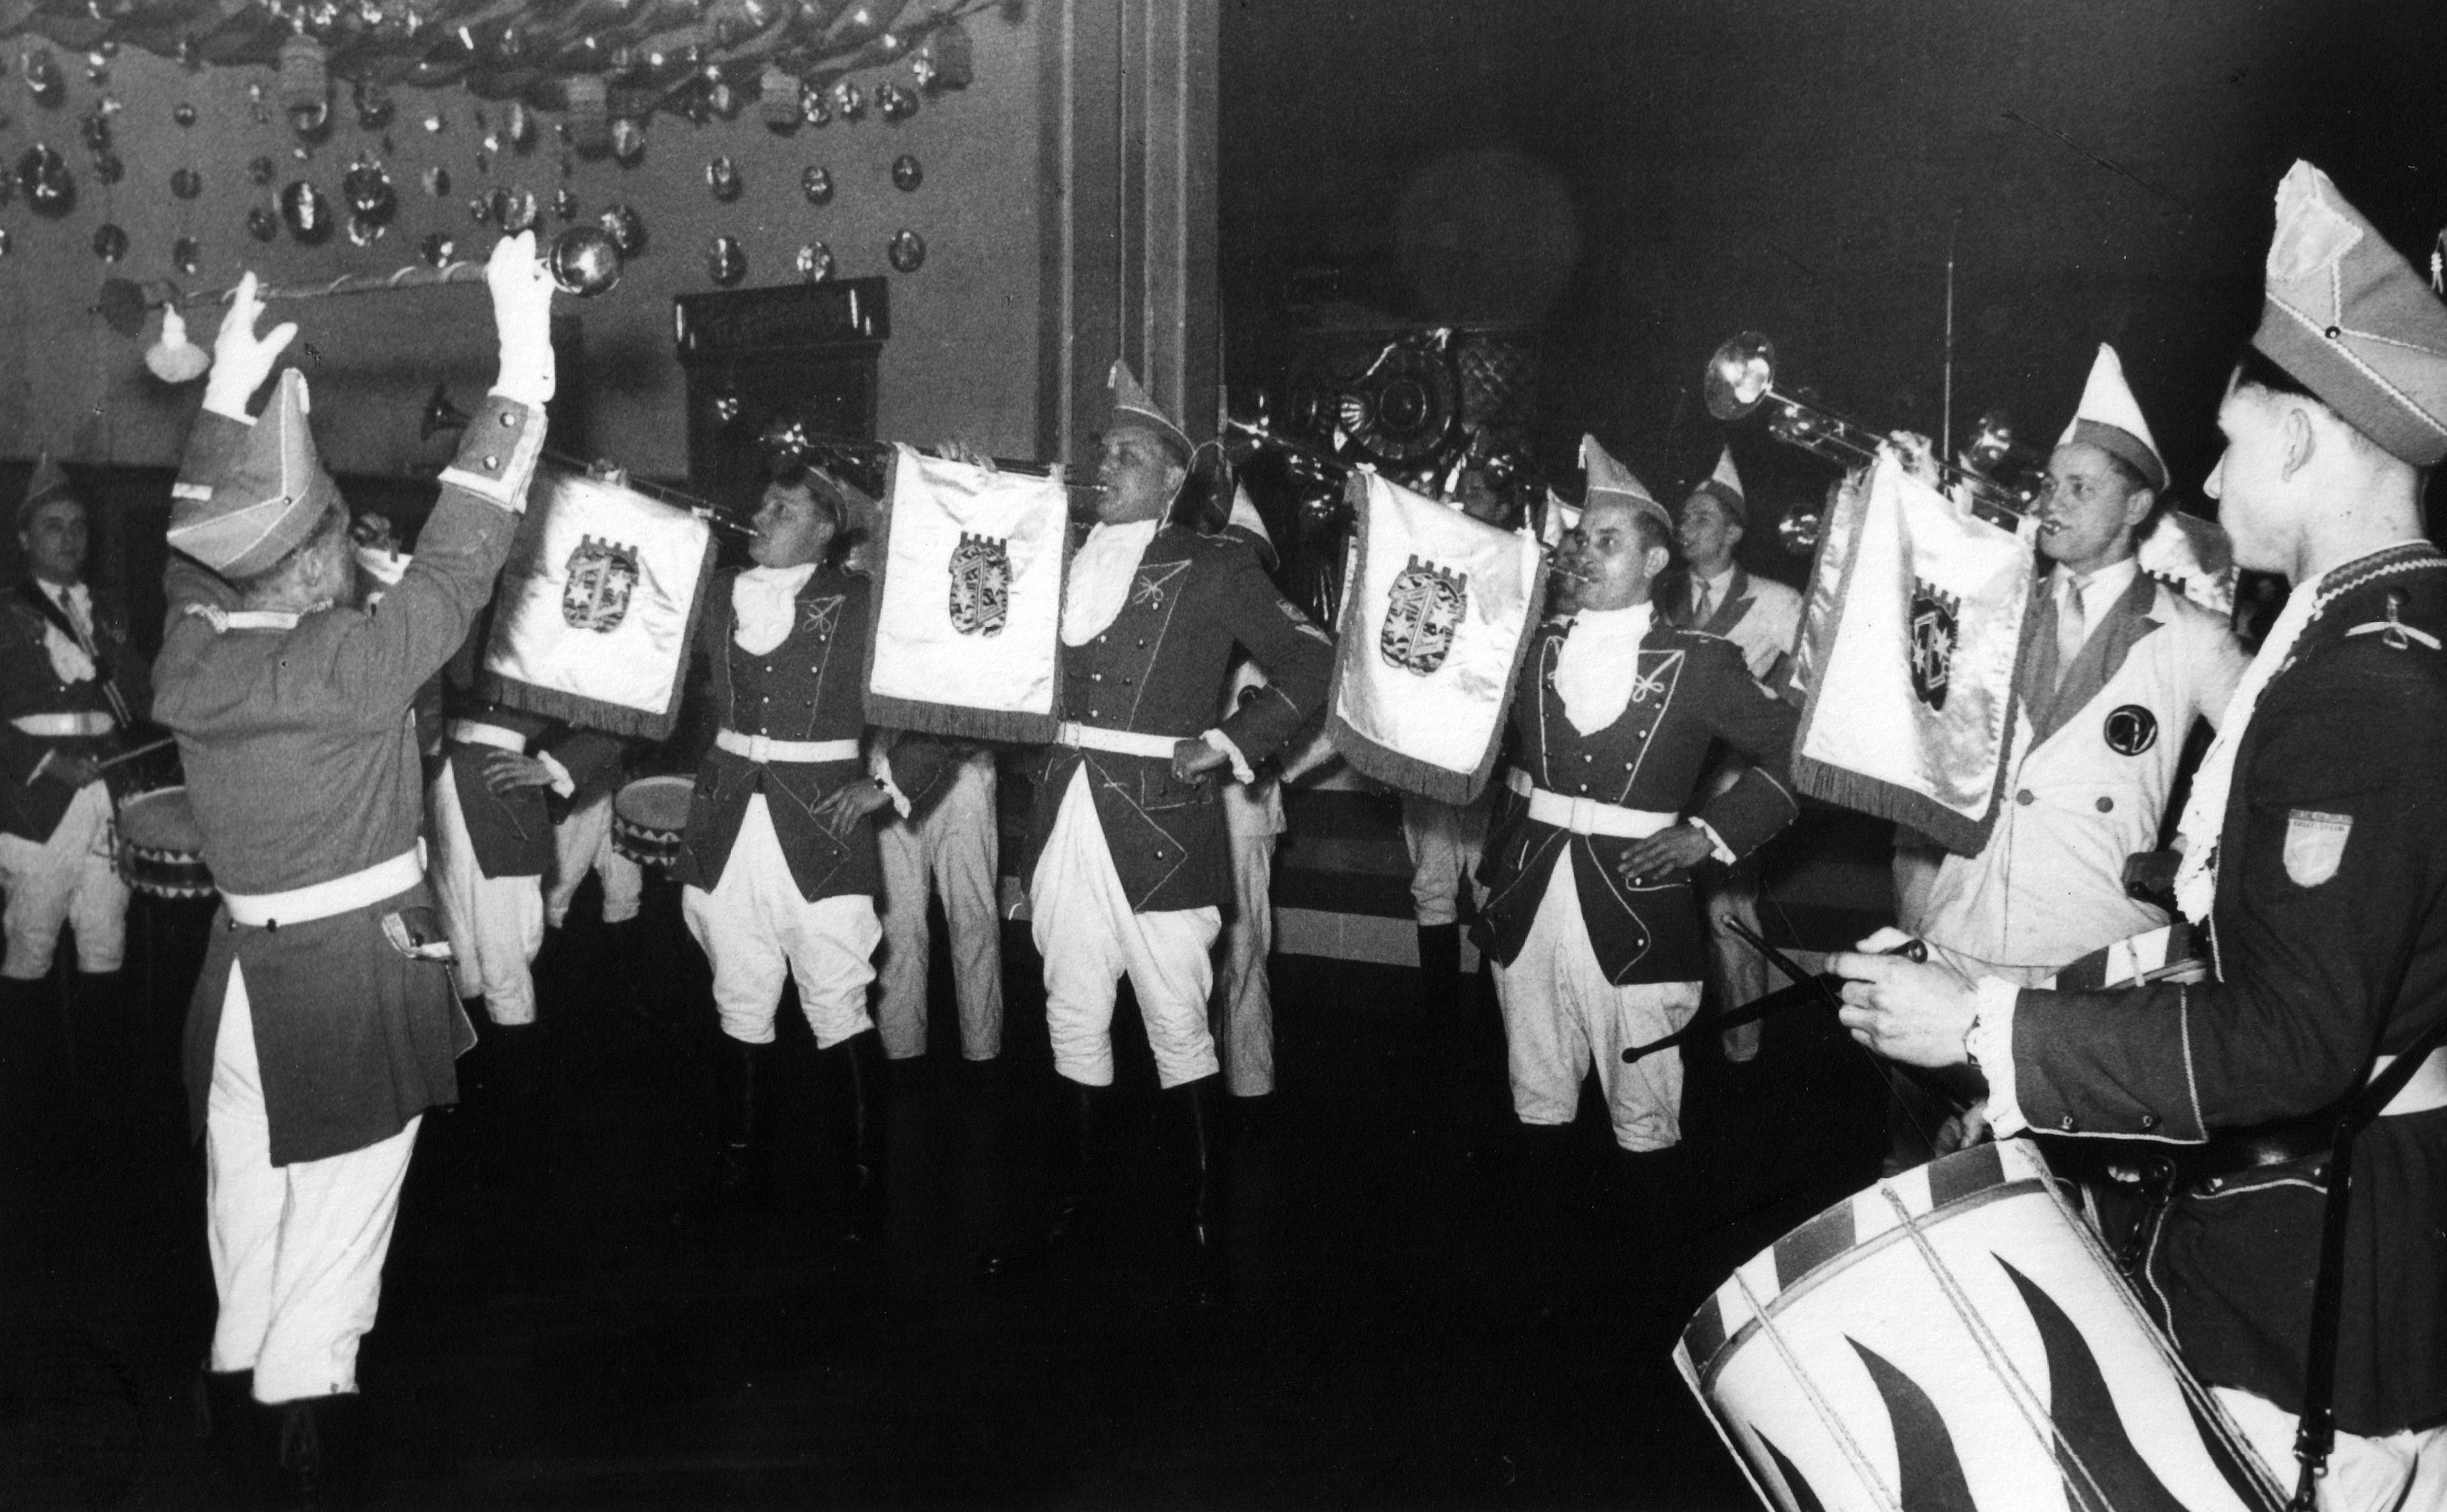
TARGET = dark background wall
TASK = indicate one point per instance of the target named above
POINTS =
(2105, 167)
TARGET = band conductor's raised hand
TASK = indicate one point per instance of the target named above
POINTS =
(522, 288)
(241, 359)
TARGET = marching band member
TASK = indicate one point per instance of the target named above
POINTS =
(1589, 916)
(2315, 856)
(1762, 617)
(779, 861)
(1129, 861)
(323, 1023)
(952, 845)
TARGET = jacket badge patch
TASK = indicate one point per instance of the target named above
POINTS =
(1154, 585)
(981, 570)
(1422, 611)
(1933, 619)
(2132, 730)
(821, 615)
(602, 575)
(2315, 844)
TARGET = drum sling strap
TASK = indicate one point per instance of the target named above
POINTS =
(58, 619)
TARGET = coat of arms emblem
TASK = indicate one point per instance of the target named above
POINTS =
(1933, 619)
(1422, 611)
(602, 575)
(981, 572)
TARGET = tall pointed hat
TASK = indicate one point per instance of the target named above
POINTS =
(1609, 479)
(1133, 408)
(48, 480)
(1725, 486)
(2109, 418)
(271, 498)
(2350, 318)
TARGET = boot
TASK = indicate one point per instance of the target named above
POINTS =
(1440, 972)
(225, 1417)
(867, 1131)
(312, 1452)
(1199, 1106)
(744, 1181)
(1072, 1154)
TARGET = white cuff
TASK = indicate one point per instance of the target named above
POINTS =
(562, 782)
(892, 790)
(1991, 1043)
(1722, 851)
(1240, 769)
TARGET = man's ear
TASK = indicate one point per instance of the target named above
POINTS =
(2137, 505)
(1659, 558)
(2301, 441)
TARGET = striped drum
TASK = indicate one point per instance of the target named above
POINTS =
(1955, 1339)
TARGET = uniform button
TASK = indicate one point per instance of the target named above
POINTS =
(1588, 757)
(2024, 797)
(1585, 787)
(1125, 681)
(2149, 1122)
(1142, 643)
(491, 463)
(1159, 855)
(2065, 1123)
(2215, 1183)
(1095, 677)
(1626, 766)
(508, 420)
(2107, 805)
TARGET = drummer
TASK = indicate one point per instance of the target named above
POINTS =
(69, 686)
(2316, 855)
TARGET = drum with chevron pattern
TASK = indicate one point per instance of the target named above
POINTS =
(1953, 1339)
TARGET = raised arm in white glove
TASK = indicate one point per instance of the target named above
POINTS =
(521, 288)
(241, 359)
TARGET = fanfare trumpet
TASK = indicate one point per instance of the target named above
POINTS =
(441, 415)
(1741, 378)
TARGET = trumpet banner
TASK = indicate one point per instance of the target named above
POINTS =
(968, 620)
(597, 607)
(1910, 640)
(1437, 613)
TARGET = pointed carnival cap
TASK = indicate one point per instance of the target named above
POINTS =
(1609, 479)
(48, 480)
(1132, 408)
(2109, 418)
(1725, 486)
(2348, 317)
(271, 499)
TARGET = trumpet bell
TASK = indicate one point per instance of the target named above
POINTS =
(585, 261)
(1799, 532)
(1992, 442)
(1739, 376)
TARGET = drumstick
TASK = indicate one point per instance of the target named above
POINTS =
(1808, 991)
(145, 750)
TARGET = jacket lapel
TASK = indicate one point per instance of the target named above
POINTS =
(2102, 656)
(1723, 619)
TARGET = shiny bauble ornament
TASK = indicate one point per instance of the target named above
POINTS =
(369, 195)
(726, 263)
(725, 409)
(784, 441)
(436, 249)
(483, 160)
(374, 105)
(364, 233)
(520, 128)
(817, 185)
(479, 209)
(626, 227)
(437, 181)
(850, 101)
(815, 108)
(261, 169)
(306, 213)
(513, 209)
(262, 224)
(908, 252)
(186, 182)
(564, 205)
(722, 178)
(433, 125)
(42, 174)
(896, 102)
(584, 261)
(815, 262)
(188, 55)
(906, 174)
(628, 142)
(94, 127)
(109, 242)
(48, 85)
(183, 114)
(187, 255)
(255, 106)
(723, 100)
(1799, 532)
(108, 167)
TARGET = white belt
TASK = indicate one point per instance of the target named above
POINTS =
(2428, 1088)
(1587, 816)
(766, 748)
(65, 727)
(303, 905)
(1120, 742)
(476, 732)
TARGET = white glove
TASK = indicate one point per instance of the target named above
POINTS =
(522, 290)
(241, 359)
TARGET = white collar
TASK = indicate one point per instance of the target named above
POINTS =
(1098, 582)
(2115, 577)
(1593, 674)
(1615, 624)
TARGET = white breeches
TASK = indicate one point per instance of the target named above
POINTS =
(757, 930)
(2402, 1472)
(296, 1250)
(955, 844)
(495, 924)
(1560, 1013)
(582, 842)
(1244, 1006)
(1445, 841)
(1089, 936)
(67, 880)
(1741, 972)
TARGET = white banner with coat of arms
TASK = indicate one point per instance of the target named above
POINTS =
(1435, 616)
(1910, 640)
(968, 620)
(597, 605)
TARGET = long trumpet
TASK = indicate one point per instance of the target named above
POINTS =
(583, 260)
(1741, 378)
(441, 415)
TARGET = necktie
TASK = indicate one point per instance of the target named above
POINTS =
(2072, 629)
(1699, 603)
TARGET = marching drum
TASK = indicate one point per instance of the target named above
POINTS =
(649, 817)
(160, 851)
(1955, 1336)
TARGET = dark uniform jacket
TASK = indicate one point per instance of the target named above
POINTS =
(31, 807)
(511, 832)
(301, 760)
(2329, 934)
(1693, 693)
(1159, 669)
